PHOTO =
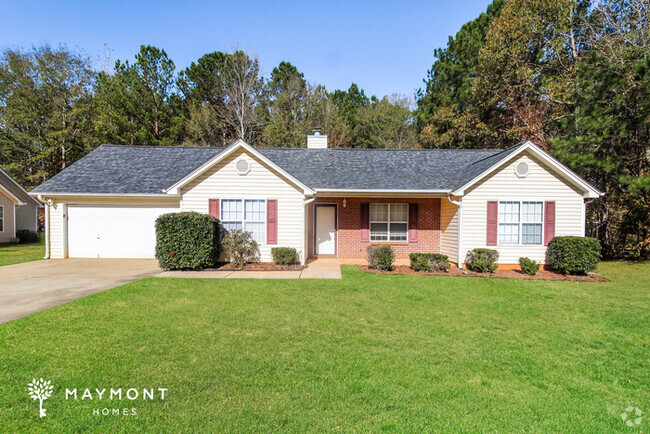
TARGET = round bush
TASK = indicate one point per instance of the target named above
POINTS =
(573, 255)
(482, 260)
(380, 257)
(284, 255)
(528, 266)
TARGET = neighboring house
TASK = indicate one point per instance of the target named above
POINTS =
(321, 201)
(18, 210)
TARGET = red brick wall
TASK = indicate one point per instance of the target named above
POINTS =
(349, 231)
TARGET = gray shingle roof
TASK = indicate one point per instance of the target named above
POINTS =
(376, 169)
(112, 169)
(14, 188)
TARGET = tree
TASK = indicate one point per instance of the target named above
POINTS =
(449, 81)
(526, 64)
(45, 115)
(288, 108)
(387, 123)
(223, 93)
(138, 104)
(607, 130)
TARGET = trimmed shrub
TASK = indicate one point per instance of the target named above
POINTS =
(573, 255)
(24, 236)
(240, 248)
(284, 255)
(429, 262)
(528, 266)
(380, 257)
(482, 260)
(187, 241)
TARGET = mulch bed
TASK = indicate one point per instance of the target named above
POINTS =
(499, 274)
(259, 266)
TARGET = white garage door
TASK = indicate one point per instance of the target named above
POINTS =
(113, 232)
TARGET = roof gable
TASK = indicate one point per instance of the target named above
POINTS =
(14, 190)
(239, 144)
(483, 168)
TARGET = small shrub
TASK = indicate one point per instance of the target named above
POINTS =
(528, 266)
(240, 248)
(187, 240)
(573, 255)
(482, 260)
(284, 255)
(429, 262)
(24, 236)
(419, 262)
(380, 257)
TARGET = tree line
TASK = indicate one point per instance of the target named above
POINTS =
(55, 108)
(570, 75)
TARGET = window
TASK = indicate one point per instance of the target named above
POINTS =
(520, 223)
(388, 222)
(246, 214)
(2, 218)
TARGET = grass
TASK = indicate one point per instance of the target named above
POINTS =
(366, 353)
(17, 253)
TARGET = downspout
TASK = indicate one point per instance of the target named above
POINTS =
(459, 204)
(305, 202)
(584, 215)
(47, 225)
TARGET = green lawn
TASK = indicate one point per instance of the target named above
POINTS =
(18, 253)
(366, 353)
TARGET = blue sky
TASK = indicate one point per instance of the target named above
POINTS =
(385, 47)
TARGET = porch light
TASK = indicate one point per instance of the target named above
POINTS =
(345, 202)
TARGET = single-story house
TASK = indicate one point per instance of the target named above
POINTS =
(319, 200)
(18, 210)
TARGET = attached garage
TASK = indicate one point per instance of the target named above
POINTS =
(113, 231)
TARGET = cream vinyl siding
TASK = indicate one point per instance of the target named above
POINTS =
(449, 229)
(8, 232)
(56, 230)
(504, 185)
(224, 182)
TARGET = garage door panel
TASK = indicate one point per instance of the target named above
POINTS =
(113, 232)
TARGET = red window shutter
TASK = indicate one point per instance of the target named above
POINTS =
(413, 223)
(492, 222)
(272, 221)
(365, 223)
(549, 222)
(214, 208)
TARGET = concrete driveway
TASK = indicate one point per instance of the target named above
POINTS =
(35, 286)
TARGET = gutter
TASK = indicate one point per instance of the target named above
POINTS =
(117, 195)
(305, 202)
(47, 203)
(459, 238)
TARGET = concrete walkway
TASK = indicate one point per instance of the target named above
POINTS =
(31, 287)
(318, 269)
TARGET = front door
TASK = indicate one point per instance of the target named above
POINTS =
(325, 229)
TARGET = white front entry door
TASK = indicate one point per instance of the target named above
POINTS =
(325, 230)
(113, 231)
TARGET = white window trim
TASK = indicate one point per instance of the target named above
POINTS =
(388, 222)
(2, 219)
(243, 220)
(521, 223)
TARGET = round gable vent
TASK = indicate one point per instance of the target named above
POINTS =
(522, 169)
(243, 167)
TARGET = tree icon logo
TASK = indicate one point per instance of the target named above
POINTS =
(632, 416)
(40, 390)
